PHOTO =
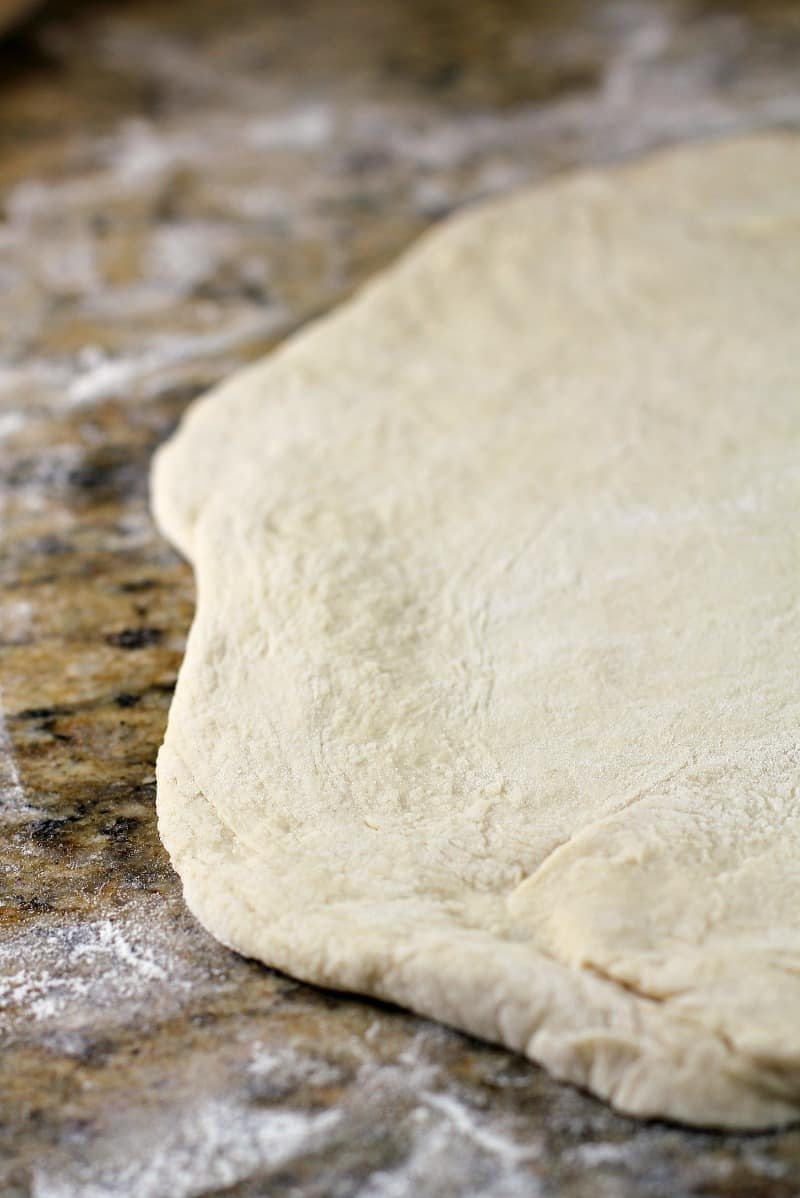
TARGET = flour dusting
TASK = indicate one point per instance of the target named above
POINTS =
(212, 1146)
(12, 795)
(72, 976)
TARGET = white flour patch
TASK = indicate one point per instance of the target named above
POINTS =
(303, 128)
(12, 795)
(603, 1153)
(440, 1151)
(139, 152)
(289, 1067)
(212, 1146)
(17, 622)
(119, 377)
(10, 423)
(86, 975)
(217, 1140)
(467, 1124)
(447, 1137)
(179, 257)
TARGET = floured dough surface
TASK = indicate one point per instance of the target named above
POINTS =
(490, 706)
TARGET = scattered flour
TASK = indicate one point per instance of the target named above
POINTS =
(121, 377)
(305, 128)
(467, 1124)
(69, 976)
(212, 1146)
(217, 1140)
(12, 795)
(286, 1065)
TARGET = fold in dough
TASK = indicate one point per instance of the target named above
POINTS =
(490, 705)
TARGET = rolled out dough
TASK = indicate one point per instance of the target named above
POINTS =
(490, 705)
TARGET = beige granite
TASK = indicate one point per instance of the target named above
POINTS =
(180, 186)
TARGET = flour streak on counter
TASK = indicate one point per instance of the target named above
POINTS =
(219, 1140)
(215, 1144)
(121, 377)
(12, 795)
(74, 976)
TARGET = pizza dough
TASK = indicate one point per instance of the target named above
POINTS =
(490, 705)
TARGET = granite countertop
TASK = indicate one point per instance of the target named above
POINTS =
(181, 185)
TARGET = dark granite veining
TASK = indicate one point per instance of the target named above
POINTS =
(181, 186)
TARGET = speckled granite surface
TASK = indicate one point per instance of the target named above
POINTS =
(180, 186)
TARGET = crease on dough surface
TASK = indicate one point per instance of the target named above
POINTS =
(413, 695)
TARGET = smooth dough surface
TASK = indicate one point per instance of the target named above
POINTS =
(490, 705)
